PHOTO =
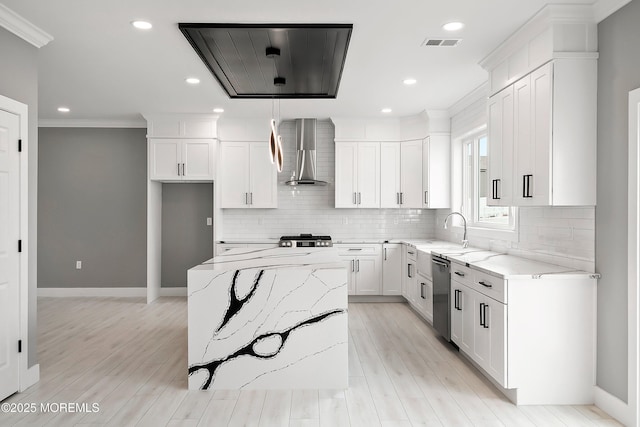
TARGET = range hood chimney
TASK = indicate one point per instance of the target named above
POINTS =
(305, 173)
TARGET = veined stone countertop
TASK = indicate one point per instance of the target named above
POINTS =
(271, 318)
(507, 266)
(270, 258)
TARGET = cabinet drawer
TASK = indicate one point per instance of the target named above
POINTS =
(358, 250)
(412, 253)
(490, 286)
(462, 274)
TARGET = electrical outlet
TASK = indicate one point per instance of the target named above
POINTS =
(78, 265)
(209, 221)
(345, 220)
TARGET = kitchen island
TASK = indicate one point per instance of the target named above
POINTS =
(268, 319)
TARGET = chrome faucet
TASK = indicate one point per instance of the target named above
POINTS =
(465, 242)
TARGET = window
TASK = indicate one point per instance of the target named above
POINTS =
(475, 187)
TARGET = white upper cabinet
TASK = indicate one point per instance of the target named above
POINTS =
(500, 140)
(401, 174)
(247, 178)
(357, 175)
(411, 174)
(181, 147)
(181, 159)
(436, 172)
(390, 175)
(552, 115)
(543, 87)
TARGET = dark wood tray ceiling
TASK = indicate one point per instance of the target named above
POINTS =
(311, 59)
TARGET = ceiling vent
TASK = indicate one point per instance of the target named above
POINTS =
(435, 42)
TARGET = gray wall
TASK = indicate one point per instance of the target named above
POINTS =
(618, 73)
(19, 81)
(92, 200)
(187, 240)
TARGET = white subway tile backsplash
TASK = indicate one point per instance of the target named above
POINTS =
(310, 209)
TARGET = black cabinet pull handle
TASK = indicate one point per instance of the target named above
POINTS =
(498, 181)
(458, 273)
(481, 313)
(422, 285)
(485, 284)
(484, 311)
(524, 186)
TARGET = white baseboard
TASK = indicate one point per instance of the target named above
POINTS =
(173, 292)
(31, 377)
(108, 292)
(613, 406)
(92, 292)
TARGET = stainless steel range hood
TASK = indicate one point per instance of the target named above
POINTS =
(305, 173)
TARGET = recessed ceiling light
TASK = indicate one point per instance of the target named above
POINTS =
(386, 110)
(409, 81)
(453, 26)
(63, 109)
(218, 110)
(192, 80)
(142, 25)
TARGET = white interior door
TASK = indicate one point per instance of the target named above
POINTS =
(9, 257)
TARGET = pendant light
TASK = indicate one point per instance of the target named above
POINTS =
(275, 140)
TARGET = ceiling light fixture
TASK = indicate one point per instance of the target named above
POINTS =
(192, 80)
(386, 110)
(142, 25)
(218, 110)
(63, 109)
(409, 81)
(453, 26)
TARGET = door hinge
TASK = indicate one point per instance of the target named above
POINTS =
(19, 146)
(19, 245)
(19, 346)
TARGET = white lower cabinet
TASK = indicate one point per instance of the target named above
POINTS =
(424, 297)
(364, 268)
(392, 269)
(532, 335)
(409, 281)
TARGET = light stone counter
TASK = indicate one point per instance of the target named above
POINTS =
(268, 319)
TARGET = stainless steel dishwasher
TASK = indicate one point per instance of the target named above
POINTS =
(441, 291)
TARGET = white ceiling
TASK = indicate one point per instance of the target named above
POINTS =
(102, 68)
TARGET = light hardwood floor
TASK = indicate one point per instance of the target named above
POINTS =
(131, 359)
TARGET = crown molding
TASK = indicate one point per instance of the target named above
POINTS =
(22, 28)
(603, 8)
(481, 92)
(88, 123)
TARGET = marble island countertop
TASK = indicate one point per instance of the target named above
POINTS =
(269, 258)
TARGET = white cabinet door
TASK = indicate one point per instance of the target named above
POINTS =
(539, 185)
(411, 174)
(456, 313)
(368, 182)
(367, 275)
(390, 175)
(496, 331)
(392, 269)
(346, 174)
(263, 176)
(234, 175)
(197, 160)
(164, 159)
(501, 146)
(424, 297)
(466, 301)
(436, 172)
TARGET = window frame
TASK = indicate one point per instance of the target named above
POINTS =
(476, 228)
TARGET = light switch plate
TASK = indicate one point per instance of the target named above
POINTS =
(78, 265)
(209, 221)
